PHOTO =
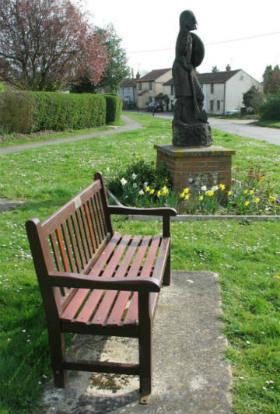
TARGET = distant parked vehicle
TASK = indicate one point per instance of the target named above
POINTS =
(155, 107)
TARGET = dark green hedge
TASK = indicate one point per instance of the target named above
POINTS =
(25, 112)
(113, 108)
(270, 110)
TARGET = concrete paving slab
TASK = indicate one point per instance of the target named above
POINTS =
(191, 375)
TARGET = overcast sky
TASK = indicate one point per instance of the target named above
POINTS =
(148, 26)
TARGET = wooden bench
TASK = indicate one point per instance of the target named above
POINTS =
(96, 281)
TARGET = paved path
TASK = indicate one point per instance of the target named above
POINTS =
(243, 128)
(191, 375)
(247, 129)
(130, 125)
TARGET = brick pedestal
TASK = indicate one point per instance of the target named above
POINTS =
(190, 167)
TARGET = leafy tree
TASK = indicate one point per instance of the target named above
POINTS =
(253, 98)
(271, 79)
(46, 43)
(117, 68)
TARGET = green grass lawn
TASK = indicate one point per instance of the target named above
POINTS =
(269, 124)
(246, 256)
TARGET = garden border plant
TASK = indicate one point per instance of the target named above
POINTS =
(141, 184)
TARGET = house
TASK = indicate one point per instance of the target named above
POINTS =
(150, 86)
(127, 92)
(223, 91)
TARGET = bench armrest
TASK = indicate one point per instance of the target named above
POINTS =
(76, 280)
(164, 212)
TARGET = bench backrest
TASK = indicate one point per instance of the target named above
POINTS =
(72, 239)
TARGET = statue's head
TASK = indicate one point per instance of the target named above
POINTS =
(187, 20)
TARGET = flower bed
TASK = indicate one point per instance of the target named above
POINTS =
(142, 185)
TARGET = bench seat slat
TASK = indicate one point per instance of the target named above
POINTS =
(73, 306)
(133, 255)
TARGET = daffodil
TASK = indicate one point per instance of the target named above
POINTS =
(123, 181)
(141, 192)
(147, 189)
(204, 188)
(159, 193)
(245, 192)
(272, 199)
(164, 191)
(200, 197)
(222, 187)
(251, 192)
(229, 193)
(152, 191)
(215, 188)
(246, 203)
(256, 200)
(187, 196)
(209, 193)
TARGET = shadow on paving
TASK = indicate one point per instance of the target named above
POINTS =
(190, 374)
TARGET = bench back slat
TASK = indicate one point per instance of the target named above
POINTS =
(74, 236)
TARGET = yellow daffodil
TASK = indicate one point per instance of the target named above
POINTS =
(159, 193)
(272, 199)
(152, 191)
(222, 187)
(210, 193)
(229, 193)
(187, 196)
(200, 197)
(184, 192)
(251, 192)
(164, 191)
(147, 189)
(246, 203)
(256, 200)
(245, 192)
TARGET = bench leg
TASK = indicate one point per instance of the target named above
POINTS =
(145, 358)
(57, 357)
(167, 273)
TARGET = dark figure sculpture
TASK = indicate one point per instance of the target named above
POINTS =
(190, 126)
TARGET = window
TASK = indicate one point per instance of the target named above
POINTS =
(172, 89)
(218, 105)
(139, 86)
(211, 105)
(212, 88)
(150, 86)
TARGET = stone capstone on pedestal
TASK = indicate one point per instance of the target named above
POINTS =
(196, 166)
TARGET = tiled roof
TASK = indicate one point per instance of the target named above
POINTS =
(153, 75)
(216, 77)
(211, 77)
(128, 83)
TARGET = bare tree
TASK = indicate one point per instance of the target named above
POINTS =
(47, 43)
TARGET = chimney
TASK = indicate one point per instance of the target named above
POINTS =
(228, 68)
(137, 75)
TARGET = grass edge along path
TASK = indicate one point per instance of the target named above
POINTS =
(246, 256)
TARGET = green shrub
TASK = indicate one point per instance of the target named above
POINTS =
(113, 108)
(36, 111)
(270, 110)
(16, 111)
(129, 185)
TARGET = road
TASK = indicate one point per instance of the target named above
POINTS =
(243, 128)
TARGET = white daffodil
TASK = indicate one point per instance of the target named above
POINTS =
(123, 181)
(215, 188)
(204, 188)
(141, 192)
(134, 176)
